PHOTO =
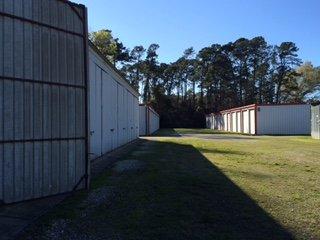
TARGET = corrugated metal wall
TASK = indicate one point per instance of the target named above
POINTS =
(149, 120)
(284, 119)
(113, 107)
(154, 121)
(143, 131)
(42, 98)
(315, 122)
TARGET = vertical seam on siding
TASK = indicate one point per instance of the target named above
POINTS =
(2, 102)
(13, 104)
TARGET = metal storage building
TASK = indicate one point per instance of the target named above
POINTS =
(47, 111)
(283, 119)
(114, 107)
(149, 120)
(214, 121)
(315, 122)
(43, 92)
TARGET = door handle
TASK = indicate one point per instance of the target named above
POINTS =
(112, 129)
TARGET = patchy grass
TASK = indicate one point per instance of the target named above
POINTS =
(193, 188)
(177, 131)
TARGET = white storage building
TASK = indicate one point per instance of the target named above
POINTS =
(283, 119)
(61, 103)
(114, 107)
(149, 120)
(43, 99)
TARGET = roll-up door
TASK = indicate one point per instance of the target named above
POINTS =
(239, 122)
(225, 122)
(106, 113)
(124, 116)
(246, 127)
(131, 117)
(234, 122)
(252, 122)
(95, 111)
(109, 113)
(113, 113)
(120, 115)
(137, 117)
(43, 97)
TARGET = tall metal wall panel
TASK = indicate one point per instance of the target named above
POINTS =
(154, 121)
(315, 122)
(149, 120)
(143, 120)
(284, 119)
(136, 120)
(120, 111)
(42, 98)
(113, 104)
(95, 110)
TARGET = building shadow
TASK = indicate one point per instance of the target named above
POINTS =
(204, 200)
(166, 132)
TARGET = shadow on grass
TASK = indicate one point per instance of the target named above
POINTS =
(203, 134)
(225, 152)
(179, 195)
(192, 199)
(166, 132)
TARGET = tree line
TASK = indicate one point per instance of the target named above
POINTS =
(217, 77)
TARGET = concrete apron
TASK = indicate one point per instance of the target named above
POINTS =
(16, 217)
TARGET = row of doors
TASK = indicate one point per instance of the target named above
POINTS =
(242, 122)
(113, 113)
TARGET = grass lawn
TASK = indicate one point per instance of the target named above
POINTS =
(199, 188)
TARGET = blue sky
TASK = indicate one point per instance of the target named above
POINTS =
(178, 24)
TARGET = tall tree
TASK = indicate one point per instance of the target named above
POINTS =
(150, 69)
(110, 47)
(286, 61)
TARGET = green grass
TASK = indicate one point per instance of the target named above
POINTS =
(195, 188)
(178, 131)
(170, 131)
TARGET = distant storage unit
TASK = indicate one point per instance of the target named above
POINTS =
(149, 120)
(214, 121)
(114, 107)
(284, 119)
(315, 122)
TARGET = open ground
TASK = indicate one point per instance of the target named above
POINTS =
(198, 184)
